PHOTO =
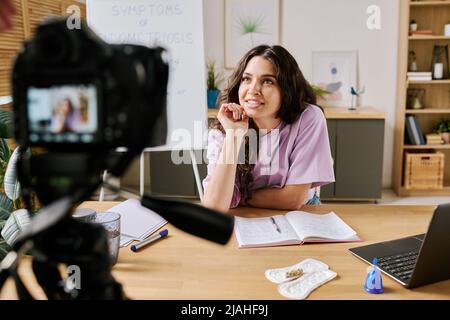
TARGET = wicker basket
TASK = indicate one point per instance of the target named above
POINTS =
(424, 171)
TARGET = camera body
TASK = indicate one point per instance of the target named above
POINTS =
(72, 91)
(79, 98)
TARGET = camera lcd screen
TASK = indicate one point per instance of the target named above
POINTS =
(61, 114)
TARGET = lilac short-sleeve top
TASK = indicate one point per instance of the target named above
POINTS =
(297, 153)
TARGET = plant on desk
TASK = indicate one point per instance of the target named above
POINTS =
(213, 80)
(319, 92)
(443, 128)
(9, 184)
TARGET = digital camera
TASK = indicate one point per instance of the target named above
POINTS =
(73, 91)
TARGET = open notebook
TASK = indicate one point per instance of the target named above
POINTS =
(136, 221)
(296, 227)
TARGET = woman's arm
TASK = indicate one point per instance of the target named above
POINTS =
(290, 197)
(219, 192)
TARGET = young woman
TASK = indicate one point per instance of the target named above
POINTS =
(64, 117)
(267, 93)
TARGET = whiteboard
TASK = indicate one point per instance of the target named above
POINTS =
(176, 25)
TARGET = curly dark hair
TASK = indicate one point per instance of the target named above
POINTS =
(296, 94)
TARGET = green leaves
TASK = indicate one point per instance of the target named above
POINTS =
(5, 152)
(12, 185)
(319, 92)
(6, 204)
(249, 25)
(6, 124)
(214, 78)
(6, 207)
(442, 126)
(4, 248)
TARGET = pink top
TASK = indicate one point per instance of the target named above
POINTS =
(296, 153)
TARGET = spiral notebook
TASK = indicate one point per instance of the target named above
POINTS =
(296, 227)
(136, 221)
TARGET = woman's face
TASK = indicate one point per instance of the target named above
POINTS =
(66, 107)
(259, 92)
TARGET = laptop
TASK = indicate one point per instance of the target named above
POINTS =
(417, 260)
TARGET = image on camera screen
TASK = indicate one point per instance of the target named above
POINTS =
(67, 113)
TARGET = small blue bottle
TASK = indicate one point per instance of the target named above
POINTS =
(374, 282)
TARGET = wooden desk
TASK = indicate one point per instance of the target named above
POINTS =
(186, 267)
(335, 113)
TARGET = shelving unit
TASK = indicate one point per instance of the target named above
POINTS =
(430, 15)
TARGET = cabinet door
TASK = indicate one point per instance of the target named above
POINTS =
(328, 191)
(359, 158)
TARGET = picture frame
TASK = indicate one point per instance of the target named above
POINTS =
(336, 72)
(248, 24)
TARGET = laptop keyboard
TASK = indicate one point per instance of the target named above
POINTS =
(400, 265)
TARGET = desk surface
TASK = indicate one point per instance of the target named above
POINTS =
(336, 113)
(185, 267)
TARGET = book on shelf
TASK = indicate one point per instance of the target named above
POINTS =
(422, 32)
(419, 73)
(293, 228)
(434, 138)
(419, 76)
(414, 134)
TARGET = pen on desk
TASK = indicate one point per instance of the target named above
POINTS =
(152, 239)
(275, 224)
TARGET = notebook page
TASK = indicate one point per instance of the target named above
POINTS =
(262, 231)
(125, 240)
(136, 221)
(325, 226)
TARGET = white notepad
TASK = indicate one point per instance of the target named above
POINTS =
(296, 227)
(136, 221)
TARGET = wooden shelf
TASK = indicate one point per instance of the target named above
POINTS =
(426, 146)
(428, 37)
(430, 15)
(446, 81)
(436, 193)
(429, 3)
(427, 111)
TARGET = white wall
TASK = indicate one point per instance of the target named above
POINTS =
(333, 25)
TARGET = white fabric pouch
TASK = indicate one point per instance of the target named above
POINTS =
(280, 275)
(303, 286)
(299, 280)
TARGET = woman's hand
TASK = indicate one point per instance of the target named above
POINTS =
(232, 117)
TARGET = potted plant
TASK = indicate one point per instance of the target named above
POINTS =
(213, 80)
(6, 204)
(413, 26)
(12, 218)
(320, 93)
(447, 29)
(443, 128)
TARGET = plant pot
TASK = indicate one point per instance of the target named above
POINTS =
(445, 136)
(212, 98)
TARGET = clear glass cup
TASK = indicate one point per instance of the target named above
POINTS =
(111, 222)
(84, 214)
